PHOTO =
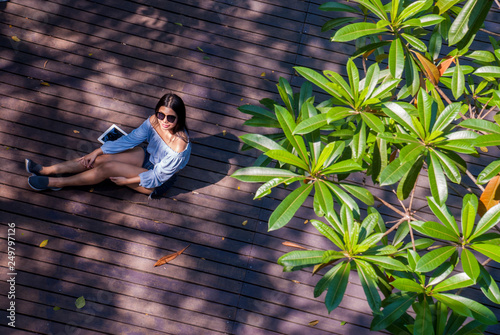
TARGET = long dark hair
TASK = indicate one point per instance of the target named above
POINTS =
(171, 100)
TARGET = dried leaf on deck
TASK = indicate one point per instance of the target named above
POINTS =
(45, 83)
(244, 223)
(169, 258)
(313, 323)
(15, 38)
(44, 243)
(490, 196)
(293, 245)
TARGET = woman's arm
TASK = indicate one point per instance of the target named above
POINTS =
(125, 181)
(89, 159)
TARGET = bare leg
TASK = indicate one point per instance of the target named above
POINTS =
(133, 156)
(72, 166)
(98, 174)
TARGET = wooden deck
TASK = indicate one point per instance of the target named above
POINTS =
(80, 66)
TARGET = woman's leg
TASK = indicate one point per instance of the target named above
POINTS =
(98, 174)
(133, 156)
(126, 164)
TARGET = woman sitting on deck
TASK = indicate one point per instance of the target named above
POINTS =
(150, 170)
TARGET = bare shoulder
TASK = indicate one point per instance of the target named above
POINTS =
(151, 119)
(181, 142)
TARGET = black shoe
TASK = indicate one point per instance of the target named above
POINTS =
(32, 167)
(41, 183)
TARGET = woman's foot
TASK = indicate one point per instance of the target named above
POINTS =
(41, 183)
(33, 167)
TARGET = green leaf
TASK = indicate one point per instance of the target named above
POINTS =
(376, 7)
(395, 171)
(482, 56)
(323, 197)
(423, 320)
(424, 21)
(440, 273)
(331, 24)
(477, 311)
(437, 181)
(481, 125)
(288, 158)
(447, 116)
(329, 233)
(415, 42)
(434, 258)
(359, 192)
(311, 124)
(408, 182)
(301, 258)
(410, 285)
(469, 212)
(396, 58)
(80, 302)
(436, 230)
(352, 72)
(319, 80)
(261, 113)
(288, 125)
(373, 122)
(337, 287)
(265, 188)
(455, 282)
(489, 172)
(356, 30)
(393, 311)
(325, 281)
(489, 219)
(400, 115)
(411, 10)
(443, 215)
(489, 286)
(343, 197)
(261, 174)
(457, 82)
(369, 285)
(470, 264)
(488, 71)
(337, 7)
(287, 208)
(260, 142)
(343, 166)
(385, 262)
(449, 167)
(490, 250)
(444, 5)
(460, 27)
(371, 81)
(487, 140)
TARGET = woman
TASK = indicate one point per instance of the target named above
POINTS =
(148, 170)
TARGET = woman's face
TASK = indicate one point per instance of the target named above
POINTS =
(167, 118)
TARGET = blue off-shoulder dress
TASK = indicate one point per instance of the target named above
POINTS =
(166, 161)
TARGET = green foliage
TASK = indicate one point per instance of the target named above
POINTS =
(416, 119)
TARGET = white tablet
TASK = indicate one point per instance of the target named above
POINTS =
(112, 134)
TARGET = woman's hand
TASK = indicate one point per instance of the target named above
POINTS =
(120, 180)
(88, 160)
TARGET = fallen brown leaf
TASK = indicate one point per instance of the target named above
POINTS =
(15, 38)
(313, 323)
(293, 245)
(169, 258)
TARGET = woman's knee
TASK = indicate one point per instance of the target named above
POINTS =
(103, 159)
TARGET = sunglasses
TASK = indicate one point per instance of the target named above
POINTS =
(170, 118)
